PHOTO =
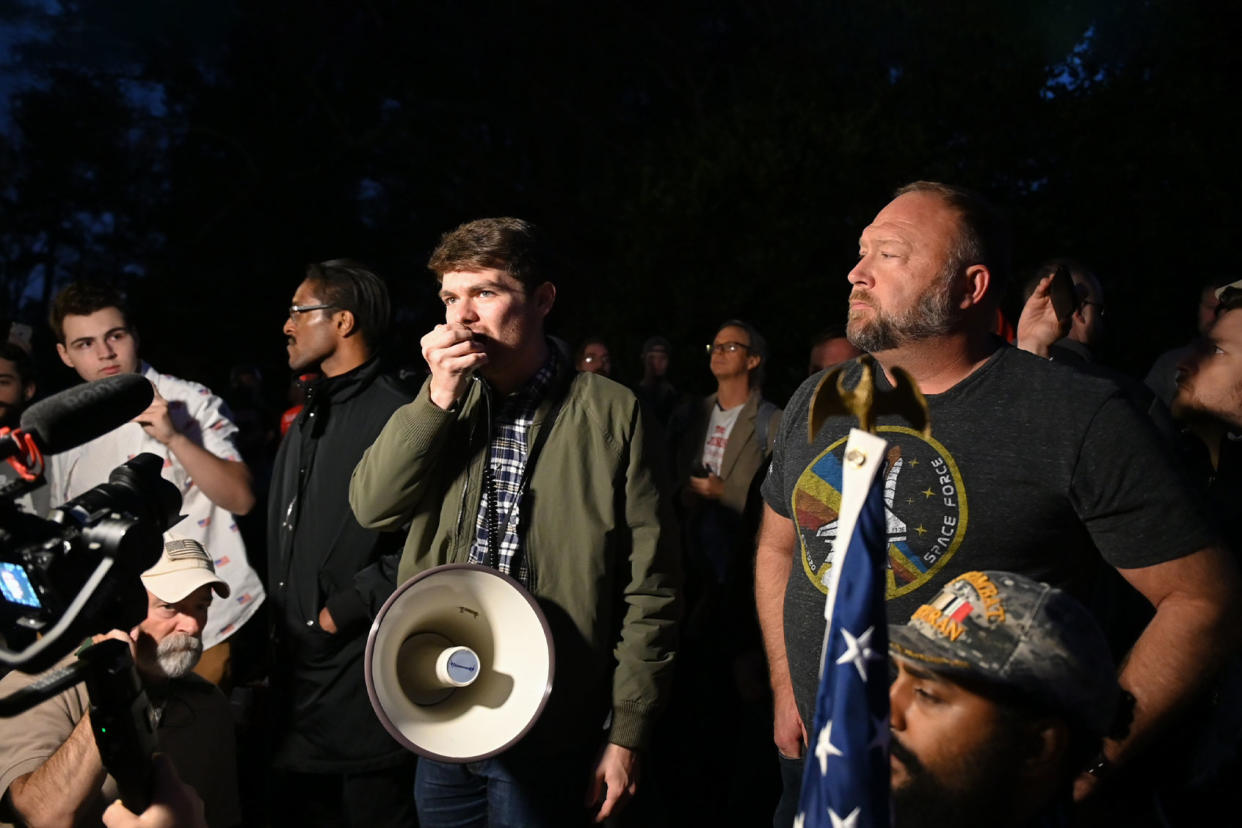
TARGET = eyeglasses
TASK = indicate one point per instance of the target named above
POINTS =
(294, 310)
(726, 347)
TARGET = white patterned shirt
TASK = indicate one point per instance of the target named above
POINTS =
(198, 414)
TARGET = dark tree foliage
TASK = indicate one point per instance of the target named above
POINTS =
(696, 161)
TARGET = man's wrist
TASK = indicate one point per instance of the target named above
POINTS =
(1039, 349)
(443, 399)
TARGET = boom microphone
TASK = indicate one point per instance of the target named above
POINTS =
(80, 414)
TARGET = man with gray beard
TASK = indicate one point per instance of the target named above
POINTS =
(1030, 467)
(50, 769)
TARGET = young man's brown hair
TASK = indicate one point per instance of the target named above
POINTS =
(83, 299)
(507, 244)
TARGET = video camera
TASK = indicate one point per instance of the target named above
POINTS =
(76, 572)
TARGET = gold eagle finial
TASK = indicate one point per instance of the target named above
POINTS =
(865, 401)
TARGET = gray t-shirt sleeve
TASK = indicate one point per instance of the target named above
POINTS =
(1130, 494)
(776, 489)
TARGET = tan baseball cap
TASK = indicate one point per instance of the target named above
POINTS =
(1232, 286)
(184, 567)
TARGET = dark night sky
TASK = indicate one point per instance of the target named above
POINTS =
(696, 162)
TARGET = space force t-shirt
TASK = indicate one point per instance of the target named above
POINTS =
(1031, 467)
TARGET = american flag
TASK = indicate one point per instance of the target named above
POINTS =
(846, 780)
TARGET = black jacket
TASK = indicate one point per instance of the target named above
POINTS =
(319, 556)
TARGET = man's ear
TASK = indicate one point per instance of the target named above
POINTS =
(752, 362)
(544, 297)
(64, 354)
(976, 283)
(28, 390)
(346, 324)
(1049, 741)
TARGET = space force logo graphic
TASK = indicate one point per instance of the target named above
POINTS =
(925, 509)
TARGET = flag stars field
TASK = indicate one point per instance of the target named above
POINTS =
(858, 650)
(850, 821)
(825, 748)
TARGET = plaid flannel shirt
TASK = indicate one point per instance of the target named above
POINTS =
(506, 457)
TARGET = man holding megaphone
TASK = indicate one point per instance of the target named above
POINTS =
(509, 459)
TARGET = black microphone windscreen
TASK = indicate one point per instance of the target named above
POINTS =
(84, 412)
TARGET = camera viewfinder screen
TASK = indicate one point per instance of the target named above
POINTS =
(15, 586)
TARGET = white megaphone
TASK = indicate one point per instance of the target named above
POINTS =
(459, 663)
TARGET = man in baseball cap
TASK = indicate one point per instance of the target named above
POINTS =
(180, 585)
(51, 771)
(184, 567)
(1004, 690)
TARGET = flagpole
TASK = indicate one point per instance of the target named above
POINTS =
(845, 782)
(864, 456)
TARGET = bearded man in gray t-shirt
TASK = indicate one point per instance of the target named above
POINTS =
(1031, 467)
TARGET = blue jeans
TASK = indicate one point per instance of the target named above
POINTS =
(503, 792)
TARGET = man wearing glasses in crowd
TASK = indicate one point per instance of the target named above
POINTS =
(721, 457)
(327, 575)
(731, 433)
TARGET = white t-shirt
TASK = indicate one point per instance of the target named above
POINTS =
(718, 431)
(196, 413)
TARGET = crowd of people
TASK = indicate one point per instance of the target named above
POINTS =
(1058, 518)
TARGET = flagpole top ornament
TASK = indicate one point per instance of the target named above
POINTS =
(866, 402)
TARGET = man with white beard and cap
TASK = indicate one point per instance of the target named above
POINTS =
(50, 769)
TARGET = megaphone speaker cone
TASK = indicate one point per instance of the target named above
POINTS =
(459, 663)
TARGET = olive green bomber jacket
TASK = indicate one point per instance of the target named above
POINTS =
(596, 531)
